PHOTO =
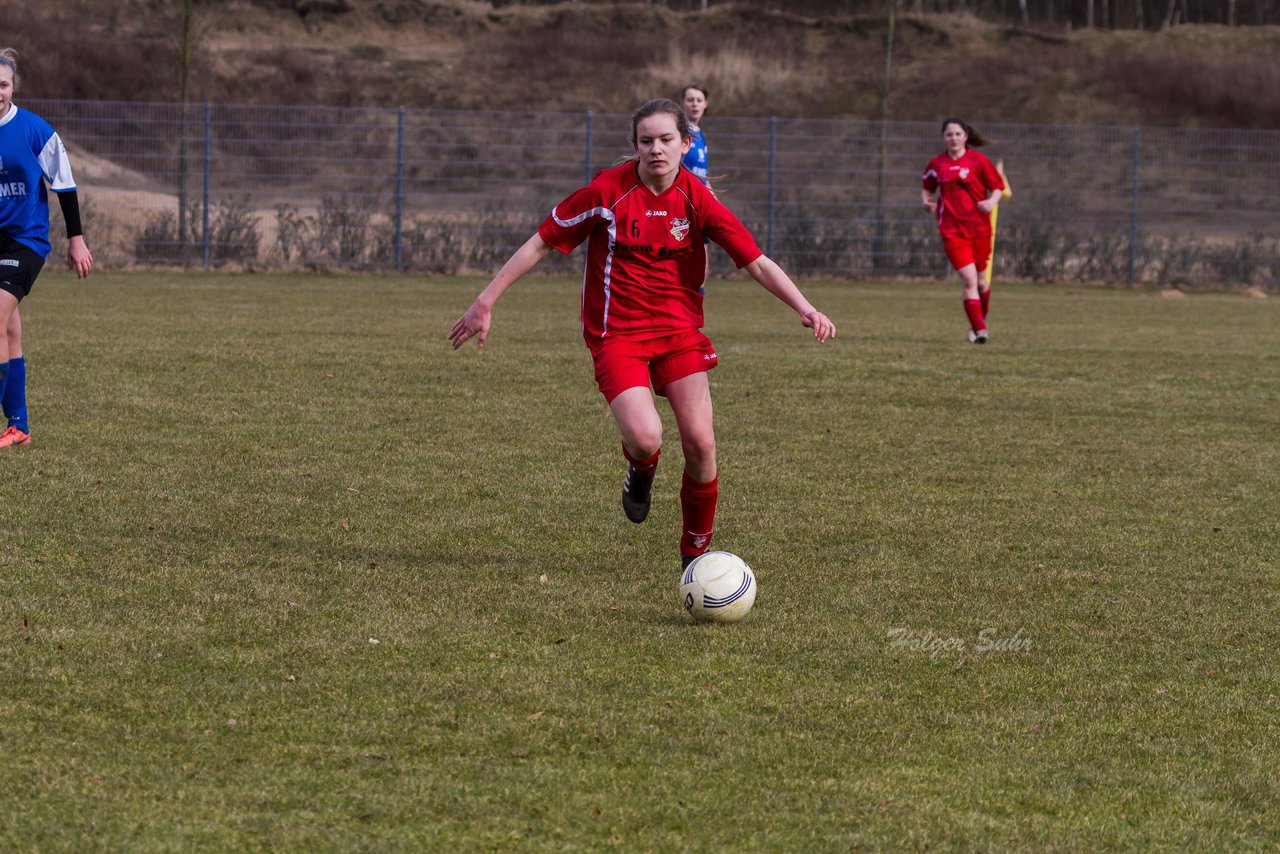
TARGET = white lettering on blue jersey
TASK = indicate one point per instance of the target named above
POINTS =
(33, 161)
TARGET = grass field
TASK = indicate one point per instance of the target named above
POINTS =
(283, 572)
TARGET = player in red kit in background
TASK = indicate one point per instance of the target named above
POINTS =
(962, 187)
(643, 222)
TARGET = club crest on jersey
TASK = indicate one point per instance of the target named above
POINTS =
(679, 228)
(964, 172)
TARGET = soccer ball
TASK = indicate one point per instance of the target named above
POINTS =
(718, 587)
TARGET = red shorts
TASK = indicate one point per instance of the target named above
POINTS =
(623, 363)
(963, 251)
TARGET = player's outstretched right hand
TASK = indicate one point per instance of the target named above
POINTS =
(821, 325)
(475, 322)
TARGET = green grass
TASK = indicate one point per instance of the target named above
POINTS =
(238, 483)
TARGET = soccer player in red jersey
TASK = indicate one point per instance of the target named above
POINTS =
(643, 222)
(962, 187)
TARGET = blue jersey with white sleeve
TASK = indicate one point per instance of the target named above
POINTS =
(33, 160)
(695, 159)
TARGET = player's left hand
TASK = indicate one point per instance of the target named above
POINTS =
(821, 325)
(79, 258)
(474, 322)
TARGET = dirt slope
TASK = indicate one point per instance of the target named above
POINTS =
(464, 54)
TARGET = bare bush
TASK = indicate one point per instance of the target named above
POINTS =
(233, 232)
(233, 235)
(292, 230)
(342, 229)
(164, 241)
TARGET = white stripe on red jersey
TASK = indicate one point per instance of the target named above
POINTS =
(645, 256)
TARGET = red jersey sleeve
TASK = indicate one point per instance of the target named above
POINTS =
(728, 232)
(571, 221)
(929, 181)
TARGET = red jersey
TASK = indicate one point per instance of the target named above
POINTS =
(965, 181)
(645, 255)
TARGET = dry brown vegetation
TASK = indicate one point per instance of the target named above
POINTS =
(466, 54)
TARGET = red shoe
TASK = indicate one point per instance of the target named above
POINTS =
(13, 436)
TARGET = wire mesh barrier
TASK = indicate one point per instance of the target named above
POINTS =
(436, 191)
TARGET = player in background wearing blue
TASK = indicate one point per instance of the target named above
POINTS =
(694, 100)
(32, 161)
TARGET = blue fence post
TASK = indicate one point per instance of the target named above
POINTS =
(773, 176)
(587, 156)
(208, 167)
(400, 191)
(1133, 206)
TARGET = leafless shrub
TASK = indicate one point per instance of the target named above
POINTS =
(233, 232)
(1034, 248)
(1252, 261)
(162, 241)
(1192, 262)
(233, 235)
(453, 243)
(342, 229)
(292, 229)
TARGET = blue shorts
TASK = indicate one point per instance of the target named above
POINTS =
(19, 266)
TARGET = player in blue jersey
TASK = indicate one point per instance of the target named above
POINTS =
(33, 161)
(693, 98)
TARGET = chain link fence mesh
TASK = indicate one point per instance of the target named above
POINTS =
(435, 191)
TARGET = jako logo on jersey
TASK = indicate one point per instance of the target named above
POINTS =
(679, 228)
(655, 213)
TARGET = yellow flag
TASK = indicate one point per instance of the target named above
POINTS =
(995, 214)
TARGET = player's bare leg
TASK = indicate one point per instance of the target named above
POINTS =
(13, 331)
(690, 399)
(641, 428)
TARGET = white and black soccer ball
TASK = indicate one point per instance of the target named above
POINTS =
(718, 587)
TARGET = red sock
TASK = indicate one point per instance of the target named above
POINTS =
(985, 298)
(698, 508)
(645, 467)
(973, 308)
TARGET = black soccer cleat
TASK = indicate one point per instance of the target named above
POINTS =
(637, 489)
(685, 560)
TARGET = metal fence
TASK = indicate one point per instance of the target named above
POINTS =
(436, 191)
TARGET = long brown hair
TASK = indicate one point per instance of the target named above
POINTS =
(656, 107)
(976, 140)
